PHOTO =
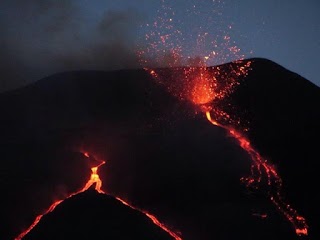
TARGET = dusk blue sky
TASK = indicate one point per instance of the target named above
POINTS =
(40, 38)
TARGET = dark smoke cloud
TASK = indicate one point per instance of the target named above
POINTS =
(111, 45)
(42, 37)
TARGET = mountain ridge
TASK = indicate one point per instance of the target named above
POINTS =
(127, 119)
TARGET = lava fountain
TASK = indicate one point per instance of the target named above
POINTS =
(95, 179)
(188, 52)
(203, 86)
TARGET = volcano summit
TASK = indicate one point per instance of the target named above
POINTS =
(162, 154)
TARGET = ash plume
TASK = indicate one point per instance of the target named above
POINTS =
(40, 38)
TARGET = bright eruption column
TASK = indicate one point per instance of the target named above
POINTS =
(95, 179)
(188, 48)
(202, 86)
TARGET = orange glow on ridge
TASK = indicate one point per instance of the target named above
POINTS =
(190, 78)
(153, 219)
(95, 179)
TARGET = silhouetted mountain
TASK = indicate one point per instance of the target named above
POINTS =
(283, 110)
(160, 155)
(90, 215)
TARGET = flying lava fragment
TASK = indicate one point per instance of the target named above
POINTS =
(95, 179)
(188, 53)
(202, 90)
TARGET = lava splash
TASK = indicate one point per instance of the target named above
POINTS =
(205, 87)
(188, 53)
(95, 179)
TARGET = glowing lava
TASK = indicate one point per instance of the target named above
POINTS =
(260, 167)
(262, 216)
(153, 219)
(202, 90)
(170, 44)
(204, 85)
(95, 179)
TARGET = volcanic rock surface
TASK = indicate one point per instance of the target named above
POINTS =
(90, 215)
(160, 155)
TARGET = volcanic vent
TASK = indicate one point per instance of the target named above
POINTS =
(188, 148)
(92, 214)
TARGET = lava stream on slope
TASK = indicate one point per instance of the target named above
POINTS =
(95, 179)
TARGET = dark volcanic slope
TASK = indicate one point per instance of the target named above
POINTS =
(90, 215)
(43, 126)
(160, 155)
(283, 110)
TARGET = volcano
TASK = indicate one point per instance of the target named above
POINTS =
(90, 215)
(161, 156)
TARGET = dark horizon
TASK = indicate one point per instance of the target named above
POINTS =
(40, 38)
(160, 150)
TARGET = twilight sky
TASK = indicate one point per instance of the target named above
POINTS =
(41, 37)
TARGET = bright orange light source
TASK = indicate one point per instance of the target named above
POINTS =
(95, 179)
(202, 91)
(262, 170)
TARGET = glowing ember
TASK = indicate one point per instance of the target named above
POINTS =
(261, 168)
(262, 216)
(202, 91)
(173, 45)
(203, 86)
(170, 42)
(95, 179)
(86, 154)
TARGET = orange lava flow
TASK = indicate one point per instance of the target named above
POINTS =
(259, 167)
(153, 219)
(95, 179)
